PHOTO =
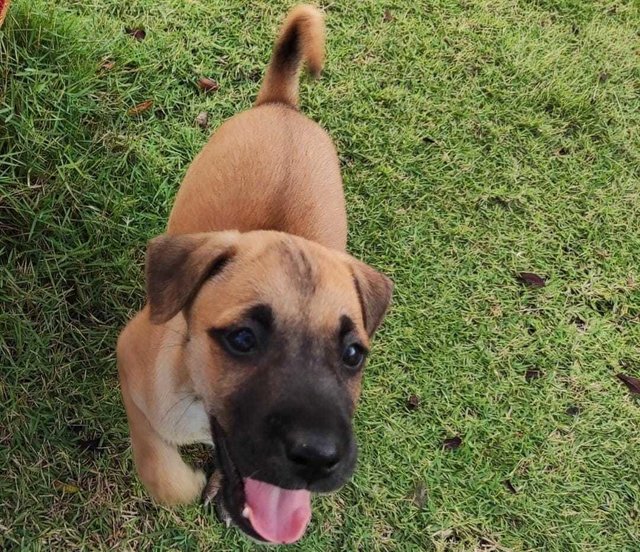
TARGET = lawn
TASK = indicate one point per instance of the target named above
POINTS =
(479, 139)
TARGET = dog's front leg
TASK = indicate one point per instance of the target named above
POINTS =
(161, 468)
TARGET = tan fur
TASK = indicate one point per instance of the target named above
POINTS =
(264, 193)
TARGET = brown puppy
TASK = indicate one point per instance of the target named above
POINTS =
(257, 322)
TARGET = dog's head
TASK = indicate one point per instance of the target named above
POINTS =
(278, 333)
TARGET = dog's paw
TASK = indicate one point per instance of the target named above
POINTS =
(212, 496)
(183, 486)
(221, 512)
(211, 489)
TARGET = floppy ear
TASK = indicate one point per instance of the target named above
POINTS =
(177, 266)
(374, 291)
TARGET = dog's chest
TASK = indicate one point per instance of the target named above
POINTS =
(186, 422)
(180, 415)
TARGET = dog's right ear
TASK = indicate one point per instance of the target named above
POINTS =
(177, 266)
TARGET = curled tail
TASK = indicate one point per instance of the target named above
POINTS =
(301, 38)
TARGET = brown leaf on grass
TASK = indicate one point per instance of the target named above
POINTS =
(532, 373)
(254, 75)
(573, 410)
(603, 77)
(579, 323)
(413, 402)
(452, 443)
(140, 108)
(388, 16)
(507, 483)
(486, 544)
(633, 384)
(202, 120)
(419, 494)
(65, 487)
(446, 535)
(107, 65)
(497, 201)
(76, 428)
(207, 85)
(136, 32)
(91, 445)
(532, 280)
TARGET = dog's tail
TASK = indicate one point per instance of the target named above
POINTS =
(301, 38)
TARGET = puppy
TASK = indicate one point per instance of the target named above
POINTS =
(257, 323)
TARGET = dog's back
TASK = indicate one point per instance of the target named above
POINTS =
(266, 168)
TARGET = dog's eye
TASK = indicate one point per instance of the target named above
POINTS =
(353, 355)
(241, 341)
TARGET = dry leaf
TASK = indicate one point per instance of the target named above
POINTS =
(136, 32)
(452, 443)
(632, 383)
(107, 65)
(388, 16)
(413, 402)
(507, 483)
(202, 120)
(444, 534)
(497, 201)
(572, 410)
(91, 445)
(532, 373)
(532, 280)
(579, 323)
(207, 85)
(419, 494)
(65, 487)
(140, 108)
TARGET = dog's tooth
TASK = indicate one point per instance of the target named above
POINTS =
(245, 512)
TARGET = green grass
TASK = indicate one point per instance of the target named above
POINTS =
(479, 139)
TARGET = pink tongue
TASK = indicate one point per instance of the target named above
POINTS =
(277, 515)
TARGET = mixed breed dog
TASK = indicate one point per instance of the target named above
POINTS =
(257, 323)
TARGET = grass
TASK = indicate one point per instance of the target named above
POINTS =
(479, 139)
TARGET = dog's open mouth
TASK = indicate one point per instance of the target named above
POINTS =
(262, 510)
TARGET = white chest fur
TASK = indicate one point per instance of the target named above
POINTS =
(175, 411)
(185, 421)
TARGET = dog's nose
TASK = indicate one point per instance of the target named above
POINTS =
(314, 453)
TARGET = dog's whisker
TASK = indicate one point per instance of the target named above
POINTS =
(166, 347)
(193, 400)
(177, 332)
(185, 396)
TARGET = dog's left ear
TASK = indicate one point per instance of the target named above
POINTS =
(374, 291)
(177, 266)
